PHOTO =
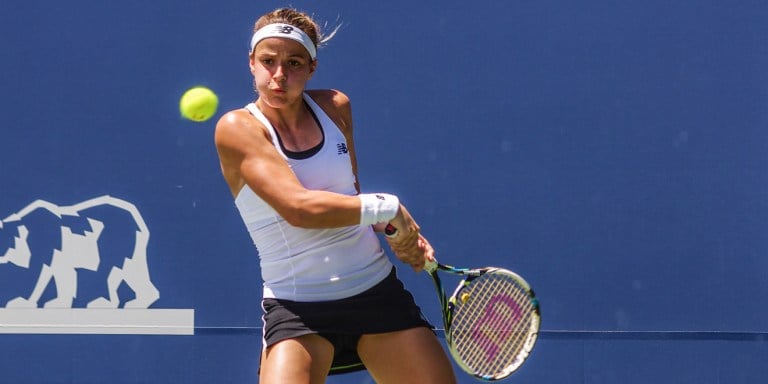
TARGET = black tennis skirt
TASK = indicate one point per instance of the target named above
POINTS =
(387, 307)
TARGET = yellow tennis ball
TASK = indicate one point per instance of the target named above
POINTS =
(198, 104)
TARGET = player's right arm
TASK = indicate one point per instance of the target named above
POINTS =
(247, 157)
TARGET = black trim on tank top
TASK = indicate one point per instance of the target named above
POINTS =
(301, 155)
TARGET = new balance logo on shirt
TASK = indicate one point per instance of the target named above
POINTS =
(341, 148)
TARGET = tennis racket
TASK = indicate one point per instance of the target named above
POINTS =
(491, 321)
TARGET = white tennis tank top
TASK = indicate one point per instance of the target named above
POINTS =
(302, 264)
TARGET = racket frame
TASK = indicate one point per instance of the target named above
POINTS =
(448, 304)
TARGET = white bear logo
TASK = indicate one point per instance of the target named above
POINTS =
(61, 244)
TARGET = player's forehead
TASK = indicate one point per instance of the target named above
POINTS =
(280, 46)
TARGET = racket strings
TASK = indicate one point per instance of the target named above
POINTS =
(492, 323)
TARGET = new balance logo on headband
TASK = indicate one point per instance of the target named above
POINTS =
(286, 29)
(341, 148)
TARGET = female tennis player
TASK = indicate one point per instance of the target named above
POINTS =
(332, 300)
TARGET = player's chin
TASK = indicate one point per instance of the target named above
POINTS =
(280, 98)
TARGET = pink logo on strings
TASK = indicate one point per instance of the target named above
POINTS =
(495, 327)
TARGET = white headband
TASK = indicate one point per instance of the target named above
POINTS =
(285, 31)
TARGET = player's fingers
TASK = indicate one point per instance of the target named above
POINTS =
(415, 259)
(404, 241)
(417, 263)
(429, 252)
(413, 256)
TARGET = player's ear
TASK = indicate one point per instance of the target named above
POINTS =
(312, 67)
(252, 63)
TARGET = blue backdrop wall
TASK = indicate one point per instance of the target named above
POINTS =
(614, 153)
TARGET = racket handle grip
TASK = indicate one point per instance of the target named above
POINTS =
(430, 266)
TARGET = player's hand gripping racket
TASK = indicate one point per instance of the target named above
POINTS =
(491, 320)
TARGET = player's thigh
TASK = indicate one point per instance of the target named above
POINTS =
(410, 356)
(305, 359)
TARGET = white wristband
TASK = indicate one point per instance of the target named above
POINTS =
(377, 208)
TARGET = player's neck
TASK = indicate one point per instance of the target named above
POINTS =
(288, 118)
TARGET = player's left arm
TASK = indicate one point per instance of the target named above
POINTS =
(341, 107)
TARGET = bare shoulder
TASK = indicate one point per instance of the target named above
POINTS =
(329, 97)
(235, 127)
(336, 104)
(240, 138)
